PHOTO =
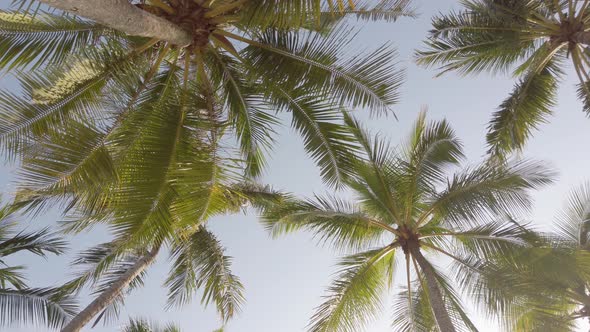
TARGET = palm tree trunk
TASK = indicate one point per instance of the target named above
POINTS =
(582, 37)
(109, 295)
(125, 17)
(441, 315)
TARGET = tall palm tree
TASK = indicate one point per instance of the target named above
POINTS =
(545, 286)
(532, 36)
(115, 268)
(246, 59)
(407, 201)
(162, 174)
(142, 325)
(127, 131)
(19, 303)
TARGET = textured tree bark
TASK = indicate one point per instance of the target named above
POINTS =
(582, 37)
(109, 295)
(123, 16)
(441, 315)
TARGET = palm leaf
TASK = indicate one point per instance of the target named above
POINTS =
(199, 261)
(38, 306)
(355, 296)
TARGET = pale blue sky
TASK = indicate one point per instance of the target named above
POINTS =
(286, 278)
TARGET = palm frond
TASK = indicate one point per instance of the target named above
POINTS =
(331, 220)
(523, 111)
(355, 296)
(574, 221)
(199, 261)
(326, 139)
(37, 306)
(411, 311)
(487, 190)
(369, 80)
(248, 113)
(143, 325)
(30, 41)
(51, 99)
(477, 39)
(39, 243)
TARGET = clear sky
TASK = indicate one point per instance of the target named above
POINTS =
(286, 278)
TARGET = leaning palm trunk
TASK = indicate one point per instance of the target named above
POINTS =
(123, 16)
(111, 293)
(441, 315)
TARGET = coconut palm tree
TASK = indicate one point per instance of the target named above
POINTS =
(533, 37)
(545, 286)
(161, 176)
(19, 303)
(142, 325)
(177, 221)
(408, 206)
(127, 131)
(247, 59)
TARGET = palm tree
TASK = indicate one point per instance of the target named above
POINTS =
(142, 325)
(115, 268)
(161, 176)
(545, 286)
(246, 59)
(18, 302)
(127, 131)
(406, 201)
(535, 37)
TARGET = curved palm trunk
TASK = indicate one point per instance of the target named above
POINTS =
(109, 295)
(441, 315)
(125, 17)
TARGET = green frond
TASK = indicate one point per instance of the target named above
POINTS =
(484, 191)
(375, 182)
(39, 243)
(412, 312)
(383, 10)
(531, 281)
(13, 275)
(51, 99)
(487, 36)
(493, 238)
(248, 113)
(37, 306)
(331, 220)
(431, 149)
(199, 261)
(326, 138)
(355, 296)
(31, 41)
(64, 164)
(93, 264)
(573, 223)
(365, 80)
(584, 96)
(523, 111)
(143, 325)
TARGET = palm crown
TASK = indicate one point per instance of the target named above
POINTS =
(535, 36)
(405, 199)
(247, 60)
